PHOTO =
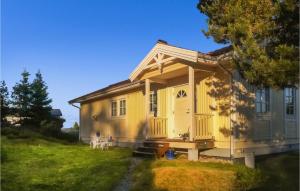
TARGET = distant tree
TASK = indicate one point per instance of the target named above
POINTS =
(76, 126)
(21, 98)
(40, 107)
(4, 96)
(264, 35)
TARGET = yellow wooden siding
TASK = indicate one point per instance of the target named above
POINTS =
(162, 102)
(221, 88)
(204, 102)
(135, 114)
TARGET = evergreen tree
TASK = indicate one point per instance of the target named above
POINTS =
(76, 126)
(264, 35)
(40, 103)
(21, 98)
(4, 103)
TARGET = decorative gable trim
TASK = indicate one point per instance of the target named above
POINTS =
(158, 53)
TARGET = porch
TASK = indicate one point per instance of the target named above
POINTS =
(158, 129)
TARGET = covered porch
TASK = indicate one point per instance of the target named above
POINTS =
(177, 75)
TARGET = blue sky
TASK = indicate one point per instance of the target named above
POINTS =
(83, 45)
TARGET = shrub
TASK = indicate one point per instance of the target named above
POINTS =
(3, 155)
(10, 131)
(247, 178)
(17, 132)
(71, 137)
(52, 127)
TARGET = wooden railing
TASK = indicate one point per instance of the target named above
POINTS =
(203, 126)
(158, 127)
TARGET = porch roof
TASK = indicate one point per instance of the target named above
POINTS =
(163, 47)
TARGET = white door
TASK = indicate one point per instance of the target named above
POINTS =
(181, 110)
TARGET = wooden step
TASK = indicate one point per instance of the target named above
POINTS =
(143, 154)
(157, 149)
(205, 144)
(147, 149)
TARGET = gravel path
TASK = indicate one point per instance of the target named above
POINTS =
(126, 183)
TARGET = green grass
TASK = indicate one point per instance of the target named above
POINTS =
(39, 164)
(281, 171)
(30, 161)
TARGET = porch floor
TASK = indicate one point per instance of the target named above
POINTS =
(202, 144)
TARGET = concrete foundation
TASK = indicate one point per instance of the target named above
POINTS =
(193, 154)
(250, 160)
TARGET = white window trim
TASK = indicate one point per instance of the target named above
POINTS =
(118, 99)
(125, 106)
(111, 108)
(288, 116)
(264, 115)
(150, 102)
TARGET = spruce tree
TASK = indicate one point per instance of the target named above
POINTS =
(40, 103)
(76, 126)
(4, 96)
(264, 35)
(21, 98)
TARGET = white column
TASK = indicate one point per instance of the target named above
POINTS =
(147, 106)
(192, 102)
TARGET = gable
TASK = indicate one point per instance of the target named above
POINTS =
(160, 54)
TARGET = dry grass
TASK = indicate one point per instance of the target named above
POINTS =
(174, 178)
(182, 174)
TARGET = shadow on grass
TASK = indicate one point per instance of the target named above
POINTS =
(143, 177)
(281, 171)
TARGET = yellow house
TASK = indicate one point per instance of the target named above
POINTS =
(176, 92)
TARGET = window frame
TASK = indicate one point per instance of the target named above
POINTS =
(114, 114)
(122, 107)
(181, 94)
(292, 95)
(153, 102)
(262, 105)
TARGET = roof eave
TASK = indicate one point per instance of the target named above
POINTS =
(106, 93)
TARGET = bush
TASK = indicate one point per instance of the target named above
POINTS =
(3, 155)
(18, 132)
(247, 179)
(70, 137)
(52, 127)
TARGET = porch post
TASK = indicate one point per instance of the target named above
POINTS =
(147, 106)
(192, 102)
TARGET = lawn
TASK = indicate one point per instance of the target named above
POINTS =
(38, 164)
(281, 171)
(273, 172)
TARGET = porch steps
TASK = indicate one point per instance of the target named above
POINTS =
(151, 149)
(157, 148)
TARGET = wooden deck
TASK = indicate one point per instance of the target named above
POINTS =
(179, 143)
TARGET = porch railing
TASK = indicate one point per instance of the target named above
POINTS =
(203, 126)
(158, 127)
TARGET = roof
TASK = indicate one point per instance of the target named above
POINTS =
(113, 88)
(56, 112)
(160, 45)
(220, 51)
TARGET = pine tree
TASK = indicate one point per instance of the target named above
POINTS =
(76, 126)
(264, 35)
(21, 98)
(40, 103)
(4, 96)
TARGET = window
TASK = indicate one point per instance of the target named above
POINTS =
(113, 108)
(181, 94)
(123, 107)
(153, 102)
(262, 102)
(290, 100)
